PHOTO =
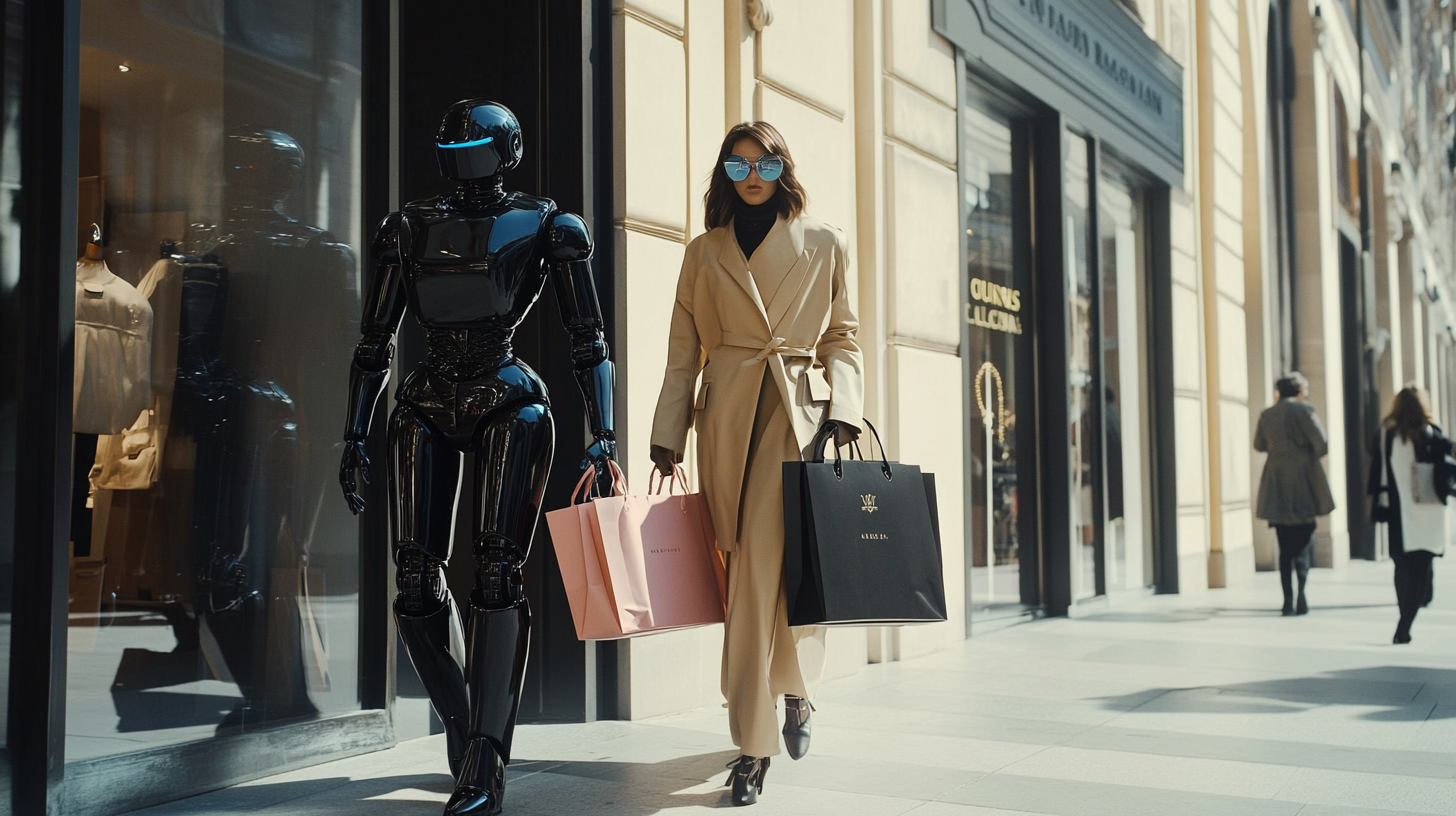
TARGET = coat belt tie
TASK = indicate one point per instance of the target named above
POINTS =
(777, 345)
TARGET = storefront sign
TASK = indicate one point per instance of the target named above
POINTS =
(1088, 58)
(1002, 303)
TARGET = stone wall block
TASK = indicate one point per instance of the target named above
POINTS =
(807, 49)
(924, 249)
(920, 120)
(654, 175)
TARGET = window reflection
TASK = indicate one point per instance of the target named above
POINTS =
(213, 576)
(997, 359)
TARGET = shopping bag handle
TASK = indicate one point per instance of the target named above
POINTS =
(831, 429)
(679, 477)
(582, 492)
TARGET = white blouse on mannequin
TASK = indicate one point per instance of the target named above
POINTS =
(113, 351)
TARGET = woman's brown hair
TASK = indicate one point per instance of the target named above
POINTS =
(721, 198)
(1409, 414)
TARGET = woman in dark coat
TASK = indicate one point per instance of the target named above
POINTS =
(1417, 529)
(1294, 489)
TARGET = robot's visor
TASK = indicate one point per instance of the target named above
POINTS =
(486, 140)
(469, 160)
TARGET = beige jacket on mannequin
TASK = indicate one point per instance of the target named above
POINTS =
(723, 327)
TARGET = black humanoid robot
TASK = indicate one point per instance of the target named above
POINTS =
(469, 266)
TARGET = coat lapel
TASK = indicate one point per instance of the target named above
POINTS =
(731, 258)
(789, 252)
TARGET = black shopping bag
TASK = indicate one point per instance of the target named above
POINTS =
(861, 541)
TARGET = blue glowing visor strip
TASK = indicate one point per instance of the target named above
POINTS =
(477, 142)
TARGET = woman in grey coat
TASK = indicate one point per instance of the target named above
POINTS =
(1294, 489)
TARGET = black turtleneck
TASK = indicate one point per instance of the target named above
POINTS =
(751, 223)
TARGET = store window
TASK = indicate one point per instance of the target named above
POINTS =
(1001, 564)
(213, 570)
(1122, 260)
(1108, 373)
(1084, 399)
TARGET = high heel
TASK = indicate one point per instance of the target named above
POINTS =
(481, 787)
(796, 725)
(747, 779)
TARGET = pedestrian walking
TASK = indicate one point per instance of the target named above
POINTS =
(1293, 491)
(763, 313)
(1407, 500)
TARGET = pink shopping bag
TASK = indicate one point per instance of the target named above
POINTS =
(633, 565)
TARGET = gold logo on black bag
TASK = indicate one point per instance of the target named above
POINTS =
(869, 502)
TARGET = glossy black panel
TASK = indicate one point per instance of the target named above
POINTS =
(424, 479)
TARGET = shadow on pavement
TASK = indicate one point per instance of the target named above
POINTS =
(532, 788)
(1392, 690)
(1208, 613)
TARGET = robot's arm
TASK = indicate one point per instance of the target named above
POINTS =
(383, 309)
(569, 253)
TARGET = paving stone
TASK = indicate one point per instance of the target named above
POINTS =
(1203, 705)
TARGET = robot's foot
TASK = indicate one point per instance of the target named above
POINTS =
(480, 787)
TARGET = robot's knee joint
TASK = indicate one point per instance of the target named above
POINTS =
(420, 579)
(498, 579)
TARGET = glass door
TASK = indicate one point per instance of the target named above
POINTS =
(1001, 420)
(1122, 259)
(1084, 401)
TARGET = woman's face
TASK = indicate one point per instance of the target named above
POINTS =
(753, 190)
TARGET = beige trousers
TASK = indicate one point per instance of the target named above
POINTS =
(763, 657)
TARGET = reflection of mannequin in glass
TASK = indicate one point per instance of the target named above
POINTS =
(469, 266)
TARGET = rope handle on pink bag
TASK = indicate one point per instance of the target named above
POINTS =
(678, 476)
(582, 492)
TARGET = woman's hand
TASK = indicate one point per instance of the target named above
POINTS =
(847, 433)
(664, 459)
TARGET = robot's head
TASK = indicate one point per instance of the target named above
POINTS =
(261, 162)
(477, 139)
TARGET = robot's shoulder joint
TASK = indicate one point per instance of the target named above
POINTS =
(570, 239)
(386, 238)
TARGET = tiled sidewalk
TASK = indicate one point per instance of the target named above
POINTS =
(1198, 705)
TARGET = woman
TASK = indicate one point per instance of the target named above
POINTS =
(763, 313)
(1417, 531)
(1293, 490)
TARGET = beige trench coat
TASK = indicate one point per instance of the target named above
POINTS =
(723, 328)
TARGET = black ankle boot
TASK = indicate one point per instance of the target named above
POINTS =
(747, 779)
(796, 725)
(481, 787)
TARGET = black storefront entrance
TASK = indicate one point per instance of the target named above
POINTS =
(1071, 139)
(133, 676)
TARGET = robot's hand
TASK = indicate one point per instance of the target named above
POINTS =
(354, 459)
(598, 455)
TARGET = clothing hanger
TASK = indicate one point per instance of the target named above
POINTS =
(168, 247)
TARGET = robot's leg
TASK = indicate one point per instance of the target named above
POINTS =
(424, 475)
(513, 460)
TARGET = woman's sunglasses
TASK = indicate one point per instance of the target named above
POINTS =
(770, 167)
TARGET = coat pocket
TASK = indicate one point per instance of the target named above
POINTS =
(702, 401)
